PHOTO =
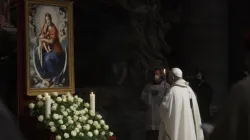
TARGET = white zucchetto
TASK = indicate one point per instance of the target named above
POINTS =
(177, 72)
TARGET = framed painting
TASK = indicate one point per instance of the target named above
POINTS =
(49, 46)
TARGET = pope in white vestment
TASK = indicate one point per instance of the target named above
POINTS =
(179, 111)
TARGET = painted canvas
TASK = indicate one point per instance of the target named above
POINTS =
(49, 46)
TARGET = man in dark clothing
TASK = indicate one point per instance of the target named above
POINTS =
(234, 119)
(8, 128)
(204, 93)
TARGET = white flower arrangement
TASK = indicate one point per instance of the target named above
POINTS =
(70, 118)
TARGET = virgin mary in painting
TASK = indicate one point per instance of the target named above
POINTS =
(49, 56)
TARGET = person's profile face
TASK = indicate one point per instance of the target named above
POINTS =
(157, 75)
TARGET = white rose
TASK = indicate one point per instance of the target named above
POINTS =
(52, 101)
(96, 132)
(56, 116)
(102, 122)
(68, 110)
(79, 126)
(40, 118)
(66, 135)
(69, 118)
(58, 137)
(80, 100)
(76, 112)
(86, 110)
(98, 116)
(70, 99)
(81, 134)
(54, 108)
(58, 99)
(70, 121)
(55, 93)
(95, 123)
(103, 133)
(73, 133)
(63, 127)
(90, 134)
(40, 103)
(90, 121)
(86, 105)
(82, 119)
(111, 134)
(82, 112)
(65, 113)
(87, 116)
(53, 129)
(75, 105)
(31, 105)
(51, 123)
(78, 123)
(86, 127)
(72, 108)
(77, 130)
(91, 113)
(64, 100)
(75, 118)
(106, 127)
(62, 108)
(39, 97)
(68, 94)
(98, 126)
(60, 121)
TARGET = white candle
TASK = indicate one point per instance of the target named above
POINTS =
(165, 78)
(47, 106)
(92, 101)
(46, 94)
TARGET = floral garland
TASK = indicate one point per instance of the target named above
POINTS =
(69, 117)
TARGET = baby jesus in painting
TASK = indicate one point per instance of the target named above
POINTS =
(43, 43)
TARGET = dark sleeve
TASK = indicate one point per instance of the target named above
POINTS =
(9, 129)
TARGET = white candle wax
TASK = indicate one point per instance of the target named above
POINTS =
(47, 106)
(46, 94)
(92, 101)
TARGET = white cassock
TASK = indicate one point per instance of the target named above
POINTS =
(179, 120)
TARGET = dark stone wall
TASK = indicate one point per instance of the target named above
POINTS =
(196, 31)
(239, 25)
(204, 42)
(118, 42)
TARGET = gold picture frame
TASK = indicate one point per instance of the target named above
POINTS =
(49, 46)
